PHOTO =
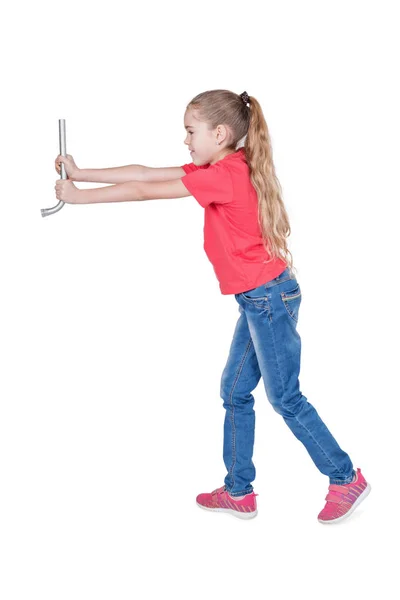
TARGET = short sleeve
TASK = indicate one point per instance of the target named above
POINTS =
(189, 167)
(210, 185)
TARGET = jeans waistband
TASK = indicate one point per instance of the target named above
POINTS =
(286, 274)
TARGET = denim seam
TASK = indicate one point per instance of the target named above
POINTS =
(295, 416)
(233, 409)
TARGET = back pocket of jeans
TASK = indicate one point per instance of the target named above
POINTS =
(255, 295)
(292, 300)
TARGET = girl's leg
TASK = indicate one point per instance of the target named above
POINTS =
(272, 313)
(239, 378)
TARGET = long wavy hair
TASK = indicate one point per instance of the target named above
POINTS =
(223, 107)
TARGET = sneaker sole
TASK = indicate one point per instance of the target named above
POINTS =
(360, 498)
(234, 513)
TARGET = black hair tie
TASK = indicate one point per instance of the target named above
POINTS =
(245, 97)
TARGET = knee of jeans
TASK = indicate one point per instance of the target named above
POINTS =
(224, 384)
(233, 393)
(288, 407)
(226, 391)
(277, 406)
(223, 392)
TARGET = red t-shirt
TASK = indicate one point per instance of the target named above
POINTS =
(232, 235)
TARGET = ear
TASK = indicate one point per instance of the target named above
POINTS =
(223, 132)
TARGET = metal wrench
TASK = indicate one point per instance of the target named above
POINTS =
(50, 211)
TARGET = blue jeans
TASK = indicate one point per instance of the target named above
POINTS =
(266, 343)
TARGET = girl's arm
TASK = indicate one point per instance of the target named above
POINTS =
(129, 173)
(134, 190)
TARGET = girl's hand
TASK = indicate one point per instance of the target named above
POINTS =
(67, 191)
(71, 169)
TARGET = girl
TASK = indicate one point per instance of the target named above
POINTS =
(245, 232)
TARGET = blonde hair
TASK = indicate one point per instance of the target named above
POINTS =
(217, 107)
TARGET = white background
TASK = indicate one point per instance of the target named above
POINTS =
(114, 333)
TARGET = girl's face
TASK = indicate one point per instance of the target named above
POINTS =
(202, 142)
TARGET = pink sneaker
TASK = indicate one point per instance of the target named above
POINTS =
(343, 499)
(220, 501)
